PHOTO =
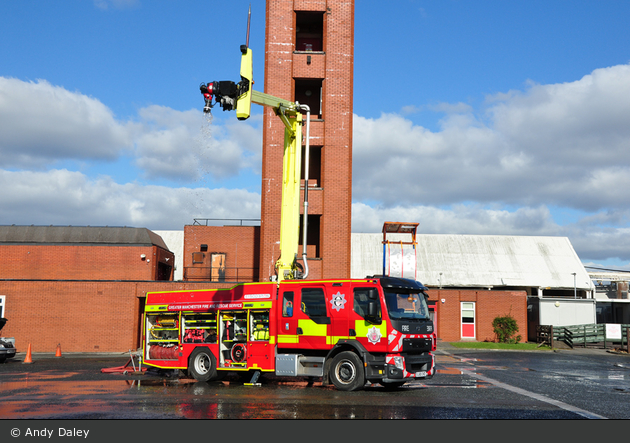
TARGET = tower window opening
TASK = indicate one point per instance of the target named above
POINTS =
(309, 31)
(309, 92)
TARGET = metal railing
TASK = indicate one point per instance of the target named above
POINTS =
(574, 335)
(220, 275)
(205, 221)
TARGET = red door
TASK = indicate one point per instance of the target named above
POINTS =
(468, 319)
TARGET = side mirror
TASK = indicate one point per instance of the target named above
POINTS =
(372, 309)
(372, 313)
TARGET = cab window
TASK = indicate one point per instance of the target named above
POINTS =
(313, 302)
(287, 304)
(366, 300)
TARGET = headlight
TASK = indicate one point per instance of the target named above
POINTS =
(399, 362)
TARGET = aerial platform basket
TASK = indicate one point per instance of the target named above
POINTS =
(399, 256)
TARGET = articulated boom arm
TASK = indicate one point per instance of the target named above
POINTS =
(230, 95)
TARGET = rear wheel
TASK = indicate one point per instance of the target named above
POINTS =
(346, 371)
(202, 365)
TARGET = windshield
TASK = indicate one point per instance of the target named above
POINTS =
(406, 306)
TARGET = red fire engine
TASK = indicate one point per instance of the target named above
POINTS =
(347, 332)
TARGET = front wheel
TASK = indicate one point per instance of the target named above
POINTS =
(346, 371)
(202, 365)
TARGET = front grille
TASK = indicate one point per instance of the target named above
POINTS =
(416, 345)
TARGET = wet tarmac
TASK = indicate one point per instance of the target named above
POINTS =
(469, 384)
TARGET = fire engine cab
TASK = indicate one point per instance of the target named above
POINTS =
(348, 332)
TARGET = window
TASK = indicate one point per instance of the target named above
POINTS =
(287, 304)
(362, 299)
(314, 166)
(312, 235)
(197, 257)
(309, 92)
(407, 306)
(313, 302)
(309, 31)
(2, 301)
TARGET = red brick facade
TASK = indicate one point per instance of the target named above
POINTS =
(236, 247)
(86, 316)
(322, 62)
(73, 262)
(488, 306)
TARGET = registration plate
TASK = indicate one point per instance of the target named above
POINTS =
(421, 374)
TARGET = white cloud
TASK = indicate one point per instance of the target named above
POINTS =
(564, 144)
(457, 219)
(188, 145)
(40, 123)
(61, 197)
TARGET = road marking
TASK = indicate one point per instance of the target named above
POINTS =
(562, 405)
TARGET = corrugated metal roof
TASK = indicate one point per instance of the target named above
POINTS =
(481, 261)
(86, 235)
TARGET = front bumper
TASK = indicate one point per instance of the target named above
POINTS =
(408, 367)
(7, 352)
(7, 348)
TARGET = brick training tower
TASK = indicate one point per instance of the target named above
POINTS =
(309, 58)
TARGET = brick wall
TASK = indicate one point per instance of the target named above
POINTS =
(240, 244)
(80, 316)
(71, 262)
(333, 132)
(488, 305)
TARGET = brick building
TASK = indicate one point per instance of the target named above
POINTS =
(83, 253)
(221, 253)
(82, 287)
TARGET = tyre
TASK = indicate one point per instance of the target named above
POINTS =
(202, 365)
(346, 371)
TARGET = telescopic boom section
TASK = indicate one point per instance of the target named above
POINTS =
(239, 96)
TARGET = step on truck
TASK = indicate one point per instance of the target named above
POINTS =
(346, 332)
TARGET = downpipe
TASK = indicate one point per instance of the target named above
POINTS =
(306, 169)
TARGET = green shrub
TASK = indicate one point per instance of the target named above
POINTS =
(505, 327)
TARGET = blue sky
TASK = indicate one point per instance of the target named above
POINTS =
(484, 117)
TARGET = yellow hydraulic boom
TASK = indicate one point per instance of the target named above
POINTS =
(239, 96)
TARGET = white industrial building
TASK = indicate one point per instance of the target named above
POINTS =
(560, 290)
